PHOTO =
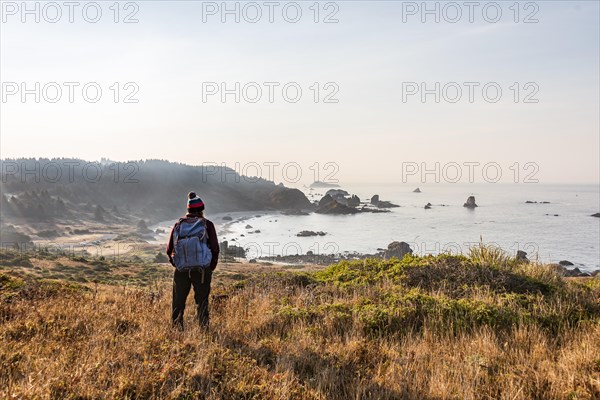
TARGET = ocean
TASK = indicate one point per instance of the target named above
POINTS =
(561, 230)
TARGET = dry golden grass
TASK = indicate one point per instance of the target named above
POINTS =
(294, 336)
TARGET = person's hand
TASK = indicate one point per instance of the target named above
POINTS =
(171, 261)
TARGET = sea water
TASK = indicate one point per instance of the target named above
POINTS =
(561, 230)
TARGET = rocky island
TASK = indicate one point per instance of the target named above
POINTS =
(470, 202)
(381, 203)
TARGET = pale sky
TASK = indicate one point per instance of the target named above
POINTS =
(369, 55)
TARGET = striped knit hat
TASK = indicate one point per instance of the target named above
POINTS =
(194, 202)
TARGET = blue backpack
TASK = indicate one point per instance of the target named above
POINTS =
(191, 250)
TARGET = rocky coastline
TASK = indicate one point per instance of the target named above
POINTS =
(399, 250)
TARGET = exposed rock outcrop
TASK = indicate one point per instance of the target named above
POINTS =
(470, 202)
(353, 201)
(328, 205)
(337, 193)
(310, 233)
(341, 196)
(232, 250)
(294, 212)
(374, 210)
(386, 204)
(571, 273)
(397, 249)
(382, 204)
(285, 198)
(522, 256)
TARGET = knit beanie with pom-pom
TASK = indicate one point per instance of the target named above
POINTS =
(194, 203)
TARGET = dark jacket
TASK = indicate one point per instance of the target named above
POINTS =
(212, 242)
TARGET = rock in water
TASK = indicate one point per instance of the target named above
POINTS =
(397, 249)
(565, 263)
(386, 204)
(327, 199)
(597, 215)
(470, 202)
(522, 256)
(293, 212)
(328, 205)
(285, 199)
(353, 201)
(572, 273)
(337, 193)
(575, 272)
(377, 202)
(417, 190)
(310, 233)
(428, 206)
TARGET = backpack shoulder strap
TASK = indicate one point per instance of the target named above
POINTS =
(177, 227)
(205, 233)
(176, 231)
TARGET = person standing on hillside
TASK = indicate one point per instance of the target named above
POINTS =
(193, 250)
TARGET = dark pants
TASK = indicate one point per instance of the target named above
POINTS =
(182, 283)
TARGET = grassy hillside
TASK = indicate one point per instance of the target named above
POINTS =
(477, 327)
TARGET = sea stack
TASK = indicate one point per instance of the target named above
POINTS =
(397, 249)
(470, 202)
(328, 205)
(353, 201)
(522, 256)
